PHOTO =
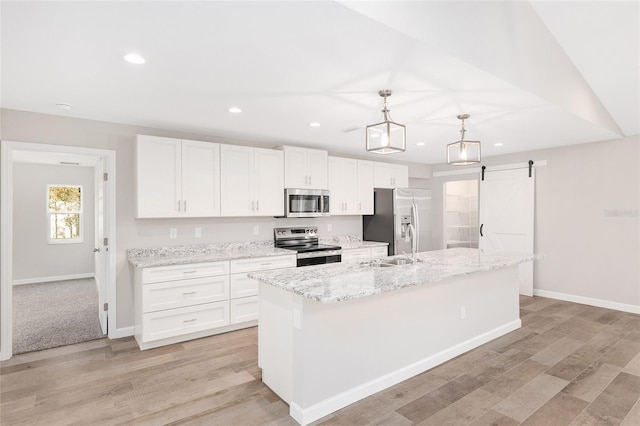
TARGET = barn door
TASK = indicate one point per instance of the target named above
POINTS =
(507, 216)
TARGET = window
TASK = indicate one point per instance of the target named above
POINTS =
(64, 208)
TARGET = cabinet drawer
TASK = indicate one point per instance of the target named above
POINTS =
(244, 309)
(177, 294)
(180, 272)
(382, 251)
(356, 254)
(180, 321)
(242, 286)
(262, 263)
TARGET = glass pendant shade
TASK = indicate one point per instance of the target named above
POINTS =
(463, 152)
(386, 137)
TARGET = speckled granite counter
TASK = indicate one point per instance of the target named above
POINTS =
(348, 242)
(339, 282)
(179, 255)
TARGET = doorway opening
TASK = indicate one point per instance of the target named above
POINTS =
(461, 213)
(58, 252)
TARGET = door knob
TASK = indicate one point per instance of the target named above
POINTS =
(96, 250)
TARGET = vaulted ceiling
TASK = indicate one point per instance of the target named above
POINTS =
(531, 74)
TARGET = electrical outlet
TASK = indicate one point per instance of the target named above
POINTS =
(463, 312)
(198, 232)
(328, 227)
(173, 233)
(256, 230)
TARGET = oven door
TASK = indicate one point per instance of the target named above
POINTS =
(319, 258)
(306, 202)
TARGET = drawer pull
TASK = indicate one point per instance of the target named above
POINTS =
(188, 293)
(266, 264)
(189, 272)
(191, 320)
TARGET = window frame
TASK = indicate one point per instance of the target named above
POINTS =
(80, 212)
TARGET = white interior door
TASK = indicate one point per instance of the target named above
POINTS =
(507, 216)
(100, 251)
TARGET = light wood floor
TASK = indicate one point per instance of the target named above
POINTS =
(569, 364)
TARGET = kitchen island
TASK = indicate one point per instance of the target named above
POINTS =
(330, 335)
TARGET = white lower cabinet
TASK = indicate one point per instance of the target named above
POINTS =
(379, 251)
(183, 302)
(181, 321)
(244, 290)
(365, 253)
(244, 309)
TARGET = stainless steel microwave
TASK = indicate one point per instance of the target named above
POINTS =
(306, 202)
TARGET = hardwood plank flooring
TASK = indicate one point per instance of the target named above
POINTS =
(569, 364)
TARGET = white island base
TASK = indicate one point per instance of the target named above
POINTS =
(320, 357)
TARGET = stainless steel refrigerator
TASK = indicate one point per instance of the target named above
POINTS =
(394, 210)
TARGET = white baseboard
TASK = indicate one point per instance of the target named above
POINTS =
(633, 309)
(47, 279)
(305, 416)
(119, 333)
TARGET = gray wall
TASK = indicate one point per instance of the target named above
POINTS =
(24, 126)
(33, 256)
(586, 218)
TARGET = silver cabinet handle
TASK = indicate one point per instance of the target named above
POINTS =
(253, 206)
(266, 264)
(178, 205)
(189, 272)
(189, 293)
(185, 205)
(359, 207)
(257, 206)
(309, 179)
(191, 320)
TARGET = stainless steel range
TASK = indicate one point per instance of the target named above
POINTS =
(304, 240)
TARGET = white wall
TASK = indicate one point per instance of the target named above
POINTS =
(586, 225)
(33, 256)
(24, 126)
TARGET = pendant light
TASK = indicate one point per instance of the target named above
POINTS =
(386, 137)
(463, 152)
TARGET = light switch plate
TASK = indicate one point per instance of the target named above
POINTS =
(256, 230)
(198, 232)
(173, 233)
(328, 227)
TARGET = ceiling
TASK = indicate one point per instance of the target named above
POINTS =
(531, 74)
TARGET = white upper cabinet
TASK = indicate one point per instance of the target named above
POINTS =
(305, 168)
(351, 186)
(176, 178)
(365, 187)
(269, 182)
(343, 185)
(200, 179)
(252, 181)
(387, 175)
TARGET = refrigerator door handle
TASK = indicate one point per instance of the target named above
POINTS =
(416, 226)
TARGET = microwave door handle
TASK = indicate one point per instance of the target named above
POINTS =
(321, 204)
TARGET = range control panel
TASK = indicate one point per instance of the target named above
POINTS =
(297, 232)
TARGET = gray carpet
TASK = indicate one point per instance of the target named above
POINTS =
(47, 315)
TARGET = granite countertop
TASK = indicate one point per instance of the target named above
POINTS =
(345, 281)
(179, 255)
(350, 242)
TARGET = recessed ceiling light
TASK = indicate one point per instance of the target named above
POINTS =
(498, 144)
(134, 58)
(314, 124)
(65, 107)
(421, 144)
(235, 110)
